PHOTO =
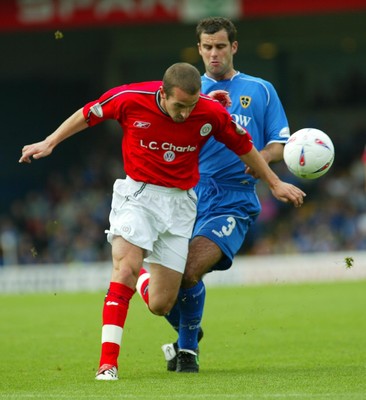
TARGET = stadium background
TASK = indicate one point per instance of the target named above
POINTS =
(56, 210)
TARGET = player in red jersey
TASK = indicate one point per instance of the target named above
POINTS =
(164, 125)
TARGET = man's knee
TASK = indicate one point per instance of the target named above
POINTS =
(203, 255)
(190, 278)
(160, 307)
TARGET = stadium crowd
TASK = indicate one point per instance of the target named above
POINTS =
(333, 217)
(64, 221)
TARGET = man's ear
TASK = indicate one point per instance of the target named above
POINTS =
(234, 47)
(162, 93)
(199, 48)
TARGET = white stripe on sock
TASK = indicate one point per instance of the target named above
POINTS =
(140, 281)
(112, 334)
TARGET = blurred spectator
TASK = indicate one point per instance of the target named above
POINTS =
(333, 217)
(65, 222)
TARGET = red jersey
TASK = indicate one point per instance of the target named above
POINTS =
(156, 149)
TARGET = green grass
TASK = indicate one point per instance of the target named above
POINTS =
(264, 342)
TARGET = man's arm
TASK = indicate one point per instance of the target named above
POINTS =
(74, 124)
(272, 152)
(282, 191)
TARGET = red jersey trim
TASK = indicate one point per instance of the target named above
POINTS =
(102, 103)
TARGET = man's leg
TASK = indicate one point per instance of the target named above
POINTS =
(173, 317)
(142, 288)
(127, 260)
(115, 310)
(203, 255)
(164, 284)
(159, 286)
(163, 287)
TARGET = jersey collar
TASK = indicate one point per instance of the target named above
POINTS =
(214, 80)
(157, 99)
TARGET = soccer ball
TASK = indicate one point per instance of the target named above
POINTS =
(309, 153)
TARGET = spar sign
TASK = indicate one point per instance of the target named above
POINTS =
(50, 14)
(60, 14)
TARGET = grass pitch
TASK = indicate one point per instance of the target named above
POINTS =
(262, 342)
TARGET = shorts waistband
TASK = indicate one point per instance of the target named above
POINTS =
(140, 186)
(230, 185)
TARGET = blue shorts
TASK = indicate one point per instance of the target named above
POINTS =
(224, 215)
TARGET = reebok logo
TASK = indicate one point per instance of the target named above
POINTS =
(111, 303)
(141, 124)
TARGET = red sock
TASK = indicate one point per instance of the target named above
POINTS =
(114, 316)
(142, 285)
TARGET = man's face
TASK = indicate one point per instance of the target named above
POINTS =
(179, 104)
(217, 54)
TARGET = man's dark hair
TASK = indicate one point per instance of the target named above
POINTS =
(212, 25)
(184, 76)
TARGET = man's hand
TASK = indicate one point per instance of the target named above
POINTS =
(74, 124)
(286, 192)
(222, 96)
(35, 150)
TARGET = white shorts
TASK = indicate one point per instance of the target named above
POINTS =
(155, 218)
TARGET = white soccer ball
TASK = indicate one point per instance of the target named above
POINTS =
(309, 153)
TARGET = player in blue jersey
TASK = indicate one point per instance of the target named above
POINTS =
(227, 201)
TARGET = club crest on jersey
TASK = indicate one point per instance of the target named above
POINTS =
(169, 156)
(97, 110)
(141, 124)
(206, 129)
(245, 101)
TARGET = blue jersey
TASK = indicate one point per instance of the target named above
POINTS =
(255, 106)
(227, 201)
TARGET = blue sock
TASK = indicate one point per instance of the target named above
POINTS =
(173, 317)
(191, 302)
